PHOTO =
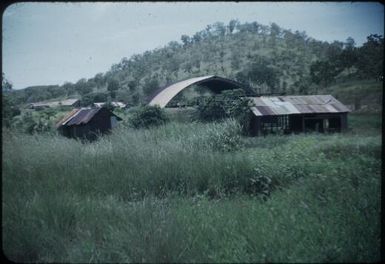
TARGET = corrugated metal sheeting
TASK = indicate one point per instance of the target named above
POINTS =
(67, 102)
(305, 104)
(171, 91)
(78, 116)
(114, 104)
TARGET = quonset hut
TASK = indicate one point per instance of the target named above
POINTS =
(87, 123)
(287, 114)
(214, 83)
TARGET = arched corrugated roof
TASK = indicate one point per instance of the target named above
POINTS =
(214, 83)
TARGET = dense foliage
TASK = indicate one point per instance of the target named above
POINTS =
(169, 194)
(9, 108)
(228, 103)
(147, 116)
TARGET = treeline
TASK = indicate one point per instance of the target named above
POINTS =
(270, 59)
(365, 62)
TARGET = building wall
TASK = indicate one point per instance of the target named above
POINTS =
(298, 123)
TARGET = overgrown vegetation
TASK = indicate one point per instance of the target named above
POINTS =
(147, 116)
(157, 190)
(173, 193)
(227, 104)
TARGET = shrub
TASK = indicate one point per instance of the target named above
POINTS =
(148, 116)
(224, 136)
(227, 104)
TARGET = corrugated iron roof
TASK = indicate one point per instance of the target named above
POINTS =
(305, 104)
(67, 117)
(80, 116)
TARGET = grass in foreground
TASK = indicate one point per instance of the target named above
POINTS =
(175, 194)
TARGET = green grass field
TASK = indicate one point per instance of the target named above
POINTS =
(192, 192)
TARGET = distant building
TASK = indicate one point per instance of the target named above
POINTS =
(67, 102)
(38, 106)
(87, 123)
(114, 104)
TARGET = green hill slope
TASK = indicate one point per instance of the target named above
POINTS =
(268, 58)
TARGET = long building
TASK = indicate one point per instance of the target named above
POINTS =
(319, 113)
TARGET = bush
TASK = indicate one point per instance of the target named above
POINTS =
(148, 116)
(224, 136)
(227, 104)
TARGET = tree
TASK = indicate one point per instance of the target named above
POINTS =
(186, 40)
(349, 43)
(69, 88)
(82, 87)
(334, 50)
(232, 25)
(9, 105)
(112, 87)
(187, 67)
(219, 29)
(235, 62)
(348, 57)
(370, 58)
(289, 38)
(150, 85)
(132, 85)
(99, 97)
(261, 73)
(99, 79)
(174, 45)
(197, 37)
(208, 30)
(323, 72)
(275, 30)
(255, 27)
(5, 84)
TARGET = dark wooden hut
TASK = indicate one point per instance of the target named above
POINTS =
(87, 123)
(295, 114)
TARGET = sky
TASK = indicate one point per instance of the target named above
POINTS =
(52, 43)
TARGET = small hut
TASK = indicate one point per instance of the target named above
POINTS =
(87, 123)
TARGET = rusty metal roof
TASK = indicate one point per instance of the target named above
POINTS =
(300, 104)
(80, 116)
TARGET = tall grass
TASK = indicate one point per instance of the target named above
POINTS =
(191, 193)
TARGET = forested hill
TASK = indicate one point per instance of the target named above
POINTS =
(269, 58)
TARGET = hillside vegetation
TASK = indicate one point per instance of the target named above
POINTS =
(270, 59)
(194, 192)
